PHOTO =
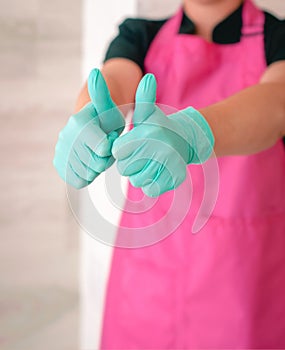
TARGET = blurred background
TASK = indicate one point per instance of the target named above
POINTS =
(46, 263)
(40, 60)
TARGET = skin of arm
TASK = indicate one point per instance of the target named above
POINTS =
(251, 120)
(248, 122)
(122, 77)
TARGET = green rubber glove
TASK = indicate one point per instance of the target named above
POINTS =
(155, 153)
(84, 145)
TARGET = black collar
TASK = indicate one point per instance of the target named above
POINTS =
(226, 32)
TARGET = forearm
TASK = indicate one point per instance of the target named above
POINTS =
(249, 121)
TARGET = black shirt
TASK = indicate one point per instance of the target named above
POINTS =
(135, 36)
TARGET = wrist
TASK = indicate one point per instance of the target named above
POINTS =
(197, 133)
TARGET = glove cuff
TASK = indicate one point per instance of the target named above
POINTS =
(197, 133)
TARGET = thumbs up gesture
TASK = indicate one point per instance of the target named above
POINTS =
(155, 153)
(84, 146)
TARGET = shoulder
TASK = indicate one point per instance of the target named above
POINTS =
(272, 21)
(142, 23)
(274, 36)
(141, 27)
(134, 38)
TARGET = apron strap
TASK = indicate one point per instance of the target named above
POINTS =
(252, 19)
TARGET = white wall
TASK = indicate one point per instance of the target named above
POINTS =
(100, 20)
(157, 8)
(276, 7)
(161, 8)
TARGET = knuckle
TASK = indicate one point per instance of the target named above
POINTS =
(181, 177)
(135, 181)
(99, 165)
(61, 135)
(90, 176)
(121, 166)
(58, 147)
(72, 120)
(78, 184)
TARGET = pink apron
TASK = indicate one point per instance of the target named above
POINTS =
(225, 286)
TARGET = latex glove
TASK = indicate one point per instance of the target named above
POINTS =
(155, 153)
(84, 145)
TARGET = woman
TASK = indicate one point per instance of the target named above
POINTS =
(222, 288)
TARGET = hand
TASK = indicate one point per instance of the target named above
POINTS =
(154, 154)
(83, 150)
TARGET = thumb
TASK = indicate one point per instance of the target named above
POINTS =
(145, 99)
(100, 97)
(99, 92)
